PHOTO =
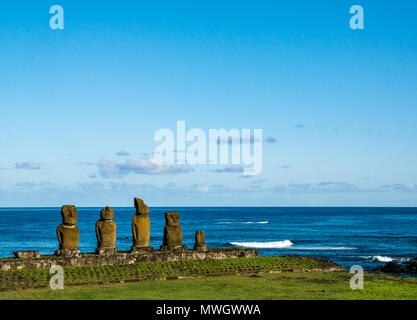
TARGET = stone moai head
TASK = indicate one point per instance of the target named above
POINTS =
(69, 215)
(141, 207)
(107, 213)
(172, 218)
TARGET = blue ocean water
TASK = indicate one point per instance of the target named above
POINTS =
(364, 236)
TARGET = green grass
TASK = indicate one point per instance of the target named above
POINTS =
(293, 277)
(37, 278)
(284, 285)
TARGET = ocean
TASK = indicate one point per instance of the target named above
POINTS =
(349, 236)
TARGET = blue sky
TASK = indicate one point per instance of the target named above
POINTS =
(80, 106)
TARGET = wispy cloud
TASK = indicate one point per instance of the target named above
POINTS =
(213, 189)
(315, 126)
(112, 169)
(241, 140)
(399, 187)
(271, 140)
(30, 165)
(306, 126)
(203, 188)
(230, 169)
(321, 187)
(32, 185)
(120, 193)
(337, 186)
(300, 126)
(122, 154)
(260, 181)
(84, 163)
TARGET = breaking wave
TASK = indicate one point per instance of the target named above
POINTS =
(324, 248)
(387, 259)
(246, 222)
(382, 259)
(285, 244)
(263, 245)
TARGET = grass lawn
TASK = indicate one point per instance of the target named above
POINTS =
(281, 277)
(96, 274)
(283, 285)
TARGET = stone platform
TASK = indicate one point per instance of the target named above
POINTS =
(124, 257)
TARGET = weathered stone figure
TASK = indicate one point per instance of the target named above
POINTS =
(140, 225)
(106, 231)
(68, 233)
(172, 231)
(199, 241)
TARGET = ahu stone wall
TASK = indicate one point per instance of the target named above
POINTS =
(123, 257)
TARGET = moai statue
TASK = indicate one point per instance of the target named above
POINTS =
(199, 241)
(141, 226)
(106, 232)
(172, 232)
(68, 233)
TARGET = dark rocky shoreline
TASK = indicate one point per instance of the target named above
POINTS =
(409, 267)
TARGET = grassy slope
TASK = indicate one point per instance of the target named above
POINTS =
(285, 285)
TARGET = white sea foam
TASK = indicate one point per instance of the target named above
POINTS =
(263, 245)
(285, 244)
(245, 222)
(382, 259)
(324, 248)
(404, 259)
(388, 259)
(258, 222)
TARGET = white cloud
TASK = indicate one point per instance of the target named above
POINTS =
(271, 140)
(111, 169)
(30, 165)
(321, 187)
(230, 169)
(399, 187)
(123, 154)
(241, 140)
(203, 188)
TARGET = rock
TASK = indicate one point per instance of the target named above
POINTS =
(106, 251)
(411, 266)
(68, 233)
(27, 254)
(172, 232)
(199, 241)
(141, 250)
(391, 267)
(68, 253)
(140, 225)
(106, 229)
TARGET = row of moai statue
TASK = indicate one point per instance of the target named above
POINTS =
(68, 233)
